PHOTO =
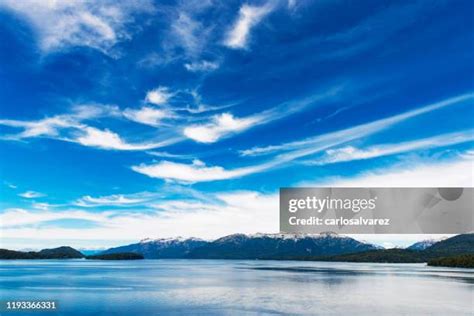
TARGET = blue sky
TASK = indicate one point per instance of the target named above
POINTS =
(121, 121)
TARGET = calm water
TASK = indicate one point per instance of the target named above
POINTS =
(218, 287)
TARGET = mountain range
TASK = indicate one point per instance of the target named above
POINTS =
(241, 246)
(275, 246)
(422, 245)
(163, 248)
(321, 247)
(459, 245)
(327, 247)
(54, 253)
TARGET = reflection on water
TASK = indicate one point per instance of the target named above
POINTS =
(220, 287)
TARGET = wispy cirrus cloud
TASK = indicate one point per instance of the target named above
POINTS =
(285, 153)
(451, 173)
(249, 211)
(158, 96)
(342, 136)
(350, 153)
(195, 172)
(249, 16)
(164, 154)
(228, 212)
(201, 66)
(31, 195)
(226, 124)
(51, 126)
(42, 206)
(110, 200)
(148, 115)
(12, 218)
(72, 127)
(186, 37)
(106, 139)
(60, 24)
(189, 33)
(221, 125)
(11, 185)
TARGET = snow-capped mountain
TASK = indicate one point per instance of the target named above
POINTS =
(278, 246)
(161, 248)
(241, 246)
(422, 245)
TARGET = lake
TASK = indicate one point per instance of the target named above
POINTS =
(224, 287)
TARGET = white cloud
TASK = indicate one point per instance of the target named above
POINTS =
(186, 31)
(111, 200)
(52, 126)
(226, 213)
(202, 66)
(454, 173)
(106, 139)
(70, 128)
(158, 96)
(44, 127)
(225, 124)
(291, 4)
(234, 212)
(96, 24)
(93, 111)
(195, 172)
(188, 34)
(220, 126)
(147, 115)
(163, 154)
(42, 206)
(324, 141)
(249, 17)
(31, 195)
(11, 185)
(17, 217)
(349, 153)
(295, 150)
(198, 106)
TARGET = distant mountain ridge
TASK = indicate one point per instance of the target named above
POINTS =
(241, 246)
(422, 245)
(460, 244)
(457, 250)
(163, 248)
(63, 252)
(278, 246)
(454, 251)
(325, 247)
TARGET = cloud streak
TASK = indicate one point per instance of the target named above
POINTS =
(111, 200)
(227, 212)
(454, 173)
(291, 151)
(105, 139)
(158, 96)
(71, 128)
(350, 153)
(201, 66)
(356, 132)
(60, 24)
(220, 126)
(249, 17)
(147, 115)
(31, 195)
(225, 124)
(241, 211)
(195, 172)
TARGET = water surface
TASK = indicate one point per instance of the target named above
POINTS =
(226, 287)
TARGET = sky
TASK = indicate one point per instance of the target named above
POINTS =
(124, 120)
